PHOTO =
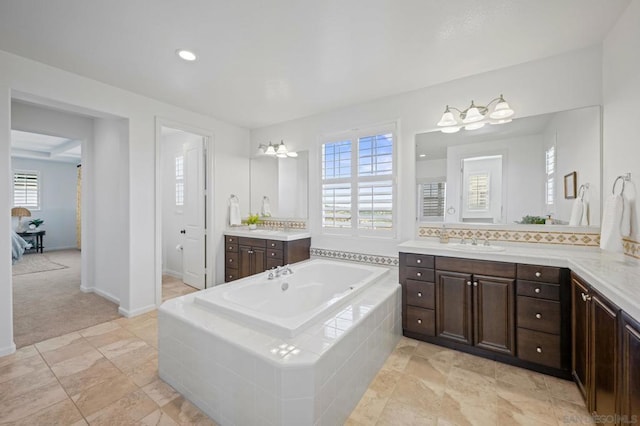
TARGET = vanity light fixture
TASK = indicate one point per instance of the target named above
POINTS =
(280, 150)
(187, 55)
(475, 116)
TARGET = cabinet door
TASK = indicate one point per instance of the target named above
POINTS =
(630, 359)
(604, 358)
(580, 334)
(259, 260)
(245, 262)
(453, 306)
(494, 317)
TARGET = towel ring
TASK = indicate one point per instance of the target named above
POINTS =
(581, 191)
(234, 198)
(615, 182)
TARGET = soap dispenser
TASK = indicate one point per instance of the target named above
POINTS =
(444, 235)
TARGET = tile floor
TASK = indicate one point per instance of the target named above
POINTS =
(107, 374)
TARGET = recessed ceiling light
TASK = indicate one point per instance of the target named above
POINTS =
(423, 155)
(187, 55)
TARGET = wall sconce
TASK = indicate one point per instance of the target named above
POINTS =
(475, 116)
(280, 150)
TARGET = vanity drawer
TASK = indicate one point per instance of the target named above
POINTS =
(418, 260)
(538, 290)
(231, 247)
(421, 321)
(538, 314)
(273, 263)
(479, 267)
(420, 274)
(274, 244)
(274, 254)
(548, 274)
(253, 242)
(231, 239)
(541, 348)
(230, 274)
(420, 294)
(231, 260)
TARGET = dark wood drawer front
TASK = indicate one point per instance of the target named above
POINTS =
(540, 315)
(231, 239)
(230, 274)
(274, 254)
(232, 260)
(538, 347)
(547, 274)
(421, 294)
(539, 290)
(421, 320)
(480, 267)
(231, 247)
(273, 263)
(419, 260)
(420, 274)
(253, 242)
(276, 245)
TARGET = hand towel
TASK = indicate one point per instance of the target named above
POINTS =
(585, 213)
(577, 212)
(266, 207)
(616, 223)
(234, 212)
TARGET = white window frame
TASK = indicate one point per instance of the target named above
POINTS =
(353, 136)
(38, 194)
(179, 182)
(442, 180)
(550, 183)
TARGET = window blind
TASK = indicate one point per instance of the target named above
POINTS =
(478, 192)
(26, 189)
(433, 199)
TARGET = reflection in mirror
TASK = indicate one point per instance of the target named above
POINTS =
(514, 172)
(279, 186)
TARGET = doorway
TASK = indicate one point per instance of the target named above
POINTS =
(183, 212)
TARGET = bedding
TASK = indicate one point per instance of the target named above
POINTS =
(18, 245)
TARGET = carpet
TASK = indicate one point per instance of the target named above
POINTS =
(32, 263)
(51, 304)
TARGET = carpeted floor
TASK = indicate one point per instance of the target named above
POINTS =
(37, 262)
(49, 304)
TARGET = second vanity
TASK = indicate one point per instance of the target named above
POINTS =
(568, 312)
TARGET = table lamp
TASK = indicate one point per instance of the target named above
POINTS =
(20, 212)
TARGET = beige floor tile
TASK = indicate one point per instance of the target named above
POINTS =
(529, 412)
(22, 353)
(72, 350)
(476, 364)
(21, 367)
(101, 371)
(458, 409)
(26, 383)
(430, 369)
(127, 410)
(28, 403)
(384, 383)
(568, 413)
(416, 392)
(61, 413)
(184, 412)
(129, 361)
(76, 364)
(99, 329)
(160, 392)
(144, 374)
(368, 409)
(58, 342)
(110, 337)
(158, 418)
(148, 333)
(121, 347)
(396, 413)
(564, 389)
(525, 379)
(399, 358)
(514, 392)
(99, 396)
(471, 385)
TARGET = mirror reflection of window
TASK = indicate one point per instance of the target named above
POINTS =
(550, 190)
(482, 189)
(432, 196)
(179, 180)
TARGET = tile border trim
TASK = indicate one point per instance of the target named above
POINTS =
(631, 248)
(373, 259)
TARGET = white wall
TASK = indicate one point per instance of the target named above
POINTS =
(134, 222)
(426, 169)
(264, 183)
(553, 84)
(36, 119)
(58, 182)
(621, 94)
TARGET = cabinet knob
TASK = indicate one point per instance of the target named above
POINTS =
(475, 284)
(539, 349)
(538, 274)
(418, 274)
(230, 260)
(469, 283)
(419, 261)
(230, 248)
(419, 321)
(419, 294)
(537, 290)
(585, 297)
(538, 316)
(273, 254)
(273, 245)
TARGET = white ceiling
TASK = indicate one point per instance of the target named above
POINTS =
(262, 62)
(44, 147)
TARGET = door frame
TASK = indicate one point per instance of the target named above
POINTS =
(210, 247)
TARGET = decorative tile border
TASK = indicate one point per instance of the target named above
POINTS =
(631, 248)
(355, 257)
(542, 237)
(281, 224)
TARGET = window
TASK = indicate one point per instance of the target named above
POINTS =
(358, 183)
(26, 189)
(432, 199)
(478, 198)
(550, 190)
(179, 180)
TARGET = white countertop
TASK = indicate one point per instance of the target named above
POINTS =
(291, 235)
(614, 275)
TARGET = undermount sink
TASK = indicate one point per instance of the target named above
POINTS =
(471, 247)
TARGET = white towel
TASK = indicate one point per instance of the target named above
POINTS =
(234, 212)
(616, 223)
(266, 207)
(585, 214)
(577, 212)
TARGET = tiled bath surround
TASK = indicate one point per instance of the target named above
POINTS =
(242, 376)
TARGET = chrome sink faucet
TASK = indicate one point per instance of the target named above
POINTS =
(474, 241)
(279, 271)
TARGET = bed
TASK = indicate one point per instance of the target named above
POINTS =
(18, 245)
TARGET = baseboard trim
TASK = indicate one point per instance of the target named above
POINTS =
(135, 312)
(172, 273)
(110, 297)
(8, 350)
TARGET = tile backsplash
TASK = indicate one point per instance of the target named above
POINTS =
(631, 248)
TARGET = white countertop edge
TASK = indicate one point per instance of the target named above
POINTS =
(615, 275)
(268, 235)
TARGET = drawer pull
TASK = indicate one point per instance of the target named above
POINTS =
(538, 316)
(585, 297)
(230, 260)
(273, 254)
(419, 261)
(469, 283)
(537, 290)
(273, 244)
(419, 321)
(538, 274)
(475, 283)
(418, 274)
(419, 294)
(539, 349)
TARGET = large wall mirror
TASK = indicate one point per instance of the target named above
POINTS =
(514, 173)
(280, 186)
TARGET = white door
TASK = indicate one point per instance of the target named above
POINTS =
(193, 259)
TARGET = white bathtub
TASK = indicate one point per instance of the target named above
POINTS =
(287, 305)
(242, 372)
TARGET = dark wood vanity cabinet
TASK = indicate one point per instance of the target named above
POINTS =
(418, 293)
(630, 370)
(248, 256)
